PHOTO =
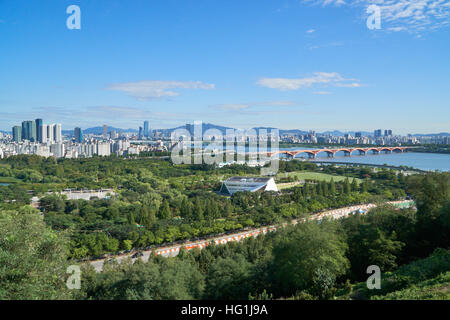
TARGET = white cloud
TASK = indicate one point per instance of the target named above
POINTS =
(322, 92)
(396, 29)
(327, 2)
(404, 15)
(117, 116)
(231, 107)
(153, 89)
(310, 31)
(318, 78)
(244, 106)
(349, 85)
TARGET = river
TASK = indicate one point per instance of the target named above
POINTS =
(423, 161)
(418, 160)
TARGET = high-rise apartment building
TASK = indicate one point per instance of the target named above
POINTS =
(50, 133)
(17, 133)
(38, 123)
(104, 149)
(146, 129)
(43, 133)
(78, 135)
(57, 134)
(377, 133)
(57, 149)
(29, 130)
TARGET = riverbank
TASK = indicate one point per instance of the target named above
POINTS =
(401, 168)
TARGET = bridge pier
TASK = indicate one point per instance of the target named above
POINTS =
(312, 154)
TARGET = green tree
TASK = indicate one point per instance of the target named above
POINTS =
(127, 244)
(354, 186)
(227, 278)
(364, 186)
(347, 188)
(33, 258)
(157, 279)
(164, 210)
(304, 251)
(332, 187)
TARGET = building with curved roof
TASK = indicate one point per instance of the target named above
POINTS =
(252, 184)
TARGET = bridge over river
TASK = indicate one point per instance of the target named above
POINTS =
(331, 152)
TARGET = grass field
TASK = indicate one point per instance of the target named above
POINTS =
(306, 175)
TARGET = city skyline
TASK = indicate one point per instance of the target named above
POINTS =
(308, 65)
(37, 131)
(145, 130)
(36, 138)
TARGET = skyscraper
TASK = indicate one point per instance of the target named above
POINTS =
(146, 129)
(17, 133)
(50, 133)
(105, 131)
(29, 130)
(38, 123)
(377, 133)
(43, 133)
(57, 134)
(78, 135)
(140, 133)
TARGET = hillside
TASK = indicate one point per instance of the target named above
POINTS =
(427, 278)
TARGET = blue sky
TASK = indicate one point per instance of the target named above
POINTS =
(304, 64)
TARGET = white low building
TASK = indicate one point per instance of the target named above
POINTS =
(252, 184)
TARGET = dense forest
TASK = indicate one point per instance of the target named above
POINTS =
(158, 202)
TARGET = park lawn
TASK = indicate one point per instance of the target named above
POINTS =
(317, 176)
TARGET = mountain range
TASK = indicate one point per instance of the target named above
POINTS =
(222, 129)
(206, 126)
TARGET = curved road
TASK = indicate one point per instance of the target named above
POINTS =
(174, 249)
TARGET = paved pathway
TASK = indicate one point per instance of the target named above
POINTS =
(174, 249)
